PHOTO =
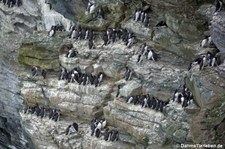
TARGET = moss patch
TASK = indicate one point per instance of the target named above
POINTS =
(38, 52)
(50, 64)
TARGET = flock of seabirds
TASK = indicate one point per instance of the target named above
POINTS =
(12, 3)
(96, 125)
(182, 95)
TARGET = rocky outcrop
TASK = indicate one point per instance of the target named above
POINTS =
(217, 30)
(113, 15)
(51, 17)
(37, 51)
(73, 100)
(209, 95)
(25, 18)
(148, 127)
(52, 133)
(16, 23)
(12, 133)
(85, 102)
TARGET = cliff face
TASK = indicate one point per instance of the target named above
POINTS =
(139, 127)
(11, 101)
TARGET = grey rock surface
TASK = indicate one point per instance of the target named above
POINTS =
(11, 101)
(217, 30)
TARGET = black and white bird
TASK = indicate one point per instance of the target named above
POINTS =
(146, 20)
(219, 5)
(42, 112)
(119, 33)
(34, 70)
(82, 33)
(105, 38)
(184, 98)
(91, 35)
(177, 95)
(87, 32)
(142, 16)
(37, 110)
(145, 102)
(113, 35)
(97, 132)
(60, 27)
(73, 33)
(197, 61)
(206, 42)
(71, 53)
(91, 44)
(118, 90)
(101, 13)
(100, 77)
(115, 135)
(10, 3)
(72, 128)
(103, 123)
(56, 115)
(129, 99)
(4, 1)
(215, 61)
(26, 109)
(140, 58)
(98, 125)
(71, 77)
(152, 55)
(162, 105)
(130, 42)
(149, 101)
(44, 73)
(51, 113)
(63, 74)
(201, 61)
(128, 74)
(107, 135)
(137, 15)
(124, 35)
(18, 3)
(32, 110)
(154, 103)
(142, 49)
(94, 123)
(161, 24)
(90, 8)
(68, 130)
(52, 31)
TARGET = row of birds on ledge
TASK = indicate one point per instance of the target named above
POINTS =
(97, 125)
(182, 96)
(185, 97)
(147, 101)
(81, 78)
(11, 3)
(40, 111)
(75, 75)
(211, 59)
(109, 36)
